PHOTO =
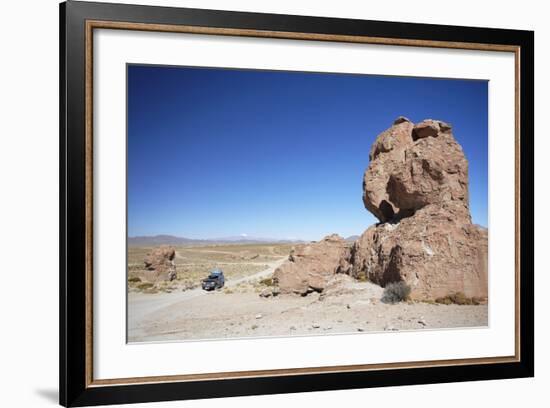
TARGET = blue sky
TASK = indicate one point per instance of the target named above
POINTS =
(219, 152)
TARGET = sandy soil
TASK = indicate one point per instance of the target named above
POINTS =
(143, 309)
(196, 314)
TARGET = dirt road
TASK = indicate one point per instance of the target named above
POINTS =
(143, 307)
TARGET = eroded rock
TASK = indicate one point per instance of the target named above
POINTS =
(310, 266)
(418, 189)
(412, 166)
(160, 265)
(386, 155)
(434, 252)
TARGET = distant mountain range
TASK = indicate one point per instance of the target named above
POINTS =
(352, 238)
(173, 240)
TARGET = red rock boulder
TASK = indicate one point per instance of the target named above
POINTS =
(434, 252)
(310, 266)
(160, 265)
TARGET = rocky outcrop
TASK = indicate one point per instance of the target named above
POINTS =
(434, 252)
(412, 166)
(310, 266)
(160, 265)
(417, 186)
(386, 155)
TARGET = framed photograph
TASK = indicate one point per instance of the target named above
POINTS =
(257, 204)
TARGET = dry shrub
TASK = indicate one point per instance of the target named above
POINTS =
(362, 277)
(458, 298)
(145, 285)
(134, 279)
(446, 300)
(396, 292)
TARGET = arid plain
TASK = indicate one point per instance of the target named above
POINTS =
(181, 310)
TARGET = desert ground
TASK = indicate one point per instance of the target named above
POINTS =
(181, 310)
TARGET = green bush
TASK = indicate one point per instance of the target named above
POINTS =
(396, 292)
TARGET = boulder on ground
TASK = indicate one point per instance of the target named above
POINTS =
(265, 293)
(309, 266)
(434, 252)
(160, 265)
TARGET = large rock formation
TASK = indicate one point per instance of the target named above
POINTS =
(417, 186)
(433, 252)
(412, 166)
(310, 266)
(160, 265)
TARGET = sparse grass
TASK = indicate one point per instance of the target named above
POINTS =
(362, 277)
(145, 285)
(194, 263)
(151, 291)
(458, 298)
(444, 300)
(166, 287)
(267, 281)
(191, 275)
(396, 292)
(136, 254)
(236, 253)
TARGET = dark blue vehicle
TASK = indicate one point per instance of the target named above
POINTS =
(215, 280)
